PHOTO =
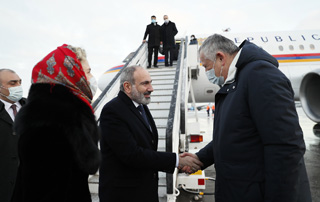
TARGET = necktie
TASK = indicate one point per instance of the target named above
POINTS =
(14, 108)
(143, 113)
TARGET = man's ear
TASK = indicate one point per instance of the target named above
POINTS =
(127, 87)
(221, 57)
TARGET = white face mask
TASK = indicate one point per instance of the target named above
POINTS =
(166, 21)
(211, 75)
(93, 85)
(15, 93)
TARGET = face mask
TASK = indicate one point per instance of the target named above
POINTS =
(213, 78)
(153, 21)
(192, 38)
(166, 21)
(93, 85)
(15, 93)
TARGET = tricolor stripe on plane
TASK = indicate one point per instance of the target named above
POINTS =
(311, 57)
(114, 69)
(118, 68)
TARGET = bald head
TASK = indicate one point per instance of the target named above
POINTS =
(8, 79)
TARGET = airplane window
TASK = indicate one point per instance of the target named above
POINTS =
(291, 47)
(311, 46)
(281, 48)
(209, 91)
(301, 47)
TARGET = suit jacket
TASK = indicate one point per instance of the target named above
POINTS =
(8, 154)
(154, 35)
(130, 161)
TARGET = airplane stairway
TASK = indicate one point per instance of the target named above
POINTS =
(162, 82)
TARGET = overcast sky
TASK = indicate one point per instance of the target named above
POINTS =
(110, 30)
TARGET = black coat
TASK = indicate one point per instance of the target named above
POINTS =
(154, 35)
(57, 146)
(8, 154)
(168, 32)
(257, 145)
(130, 161)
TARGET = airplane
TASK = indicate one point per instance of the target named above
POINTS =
(298, 54)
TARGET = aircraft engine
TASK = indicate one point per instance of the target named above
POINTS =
(310, 95)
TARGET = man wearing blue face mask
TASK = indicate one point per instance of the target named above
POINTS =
(168, 32)
(11, 102)
(257, 146)
(153, 30)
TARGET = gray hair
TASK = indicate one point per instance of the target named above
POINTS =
(4, 69)
(80, 53)
(215, 43)
(127, 75)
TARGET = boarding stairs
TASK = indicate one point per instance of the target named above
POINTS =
(168, 107)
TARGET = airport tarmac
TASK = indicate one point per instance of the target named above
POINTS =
(312, 156)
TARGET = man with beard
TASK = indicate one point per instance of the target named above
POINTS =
(129, 142)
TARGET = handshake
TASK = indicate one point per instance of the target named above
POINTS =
(189, 163)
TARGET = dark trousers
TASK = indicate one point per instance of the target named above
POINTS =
(150, 52)
(166, 55)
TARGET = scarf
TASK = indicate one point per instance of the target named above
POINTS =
(61, 66)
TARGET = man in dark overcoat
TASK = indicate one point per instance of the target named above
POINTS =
(10, 94)
(168, 30)
(129, 142)
(257, 146)
(153, 30)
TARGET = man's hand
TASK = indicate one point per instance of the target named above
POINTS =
(160, 42)
(143, 41)
(189, 163)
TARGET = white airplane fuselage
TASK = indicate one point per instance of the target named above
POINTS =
(298, 54)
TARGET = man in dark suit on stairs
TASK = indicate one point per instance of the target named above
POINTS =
(129, 142)
(153, 30)
(168, 31)
(11, 102)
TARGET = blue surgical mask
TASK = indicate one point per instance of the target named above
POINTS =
(153, 21)
(15, 93)
(213, 78)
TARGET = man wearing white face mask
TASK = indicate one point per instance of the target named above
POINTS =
(11, 102)
(257, 146)
(153, 30)
(168, 31)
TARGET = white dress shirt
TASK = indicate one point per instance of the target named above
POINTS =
(7, 106)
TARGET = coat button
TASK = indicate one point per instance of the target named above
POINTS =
(14, 133)
(233, 87)
(228, 90)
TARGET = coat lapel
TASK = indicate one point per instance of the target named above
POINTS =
(133, 108)
(4, 114)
